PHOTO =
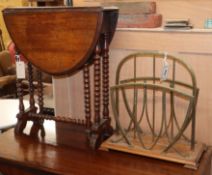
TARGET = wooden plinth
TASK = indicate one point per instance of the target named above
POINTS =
(180, 153)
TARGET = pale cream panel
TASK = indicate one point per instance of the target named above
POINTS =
(195, 10)
(62, 94)
(193, 42)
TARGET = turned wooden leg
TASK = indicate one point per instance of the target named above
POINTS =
(95, 135)
(40, 91)
(87, 96)
(105, 84)
(105, 77)
(20, 96)
(21, 124)
(31, 87)
(97, 84)
(38, 124)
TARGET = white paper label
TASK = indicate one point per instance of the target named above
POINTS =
(165, 71)
(20, 70)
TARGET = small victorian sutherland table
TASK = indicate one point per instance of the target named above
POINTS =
(62, 41)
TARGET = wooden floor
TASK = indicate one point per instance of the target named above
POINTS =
(23, 155)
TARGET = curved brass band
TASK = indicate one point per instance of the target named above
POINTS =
(134, 102)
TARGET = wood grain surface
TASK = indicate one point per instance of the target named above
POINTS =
(24, 155)
(56, 40)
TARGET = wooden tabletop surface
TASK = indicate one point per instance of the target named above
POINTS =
(28, 152)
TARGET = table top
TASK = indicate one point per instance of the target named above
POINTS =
(31, 153)
(62, 38)
(8, 111)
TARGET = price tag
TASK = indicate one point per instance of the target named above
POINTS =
(20, 70)
(165, 68)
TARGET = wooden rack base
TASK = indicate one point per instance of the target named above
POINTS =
(184, 155)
